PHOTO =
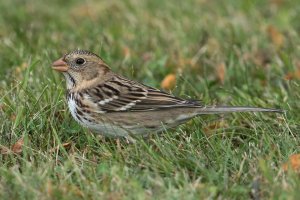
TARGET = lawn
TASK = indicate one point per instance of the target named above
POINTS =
(222, 52)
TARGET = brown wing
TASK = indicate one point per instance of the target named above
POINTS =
(121, 94)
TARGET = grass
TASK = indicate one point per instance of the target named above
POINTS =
(229, 157)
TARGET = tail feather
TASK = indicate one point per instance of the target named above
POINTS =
(231, 109)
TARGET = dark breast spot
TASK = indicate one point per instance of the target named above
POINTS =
(79, 111)
(86, 111)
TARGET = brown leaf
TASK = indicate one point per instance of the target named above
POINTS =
(13, 117)
(215, 126)
(221, 72)
(293, 75)
(126, 52)
(262, 57)
(147, 56)
(66, 145)
(2, 107)
(21, 68)
(49, 188)
(276, 37)
(169, 82)
(293, 163)
(277, 2)
(17, 147)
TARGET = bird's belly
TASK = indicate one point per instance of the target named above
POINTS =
(119, 124)
(100, 127)
(107, 129)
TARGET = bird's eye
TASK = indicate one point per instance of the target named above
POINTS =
(80, 61)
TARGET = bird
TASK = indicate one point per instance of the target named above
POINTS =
(112, 105)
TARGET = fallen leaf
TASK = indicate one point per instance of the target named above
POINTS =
(183, 62)
(13, 117)
(169, 82)
(17, 147)
(49, 188)
(262, 57)
(2, 107)
(277, 2)
(115, 196)
(21, 68)
(215, 126)
(221, 72)
(126, 52)
(180, 63)
(147, 56)
(66, 145)
(293, 75)
(66, 188)
(293, 163)
(276, 37)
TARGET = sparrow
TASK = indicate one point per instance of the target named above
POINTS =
(112, 105)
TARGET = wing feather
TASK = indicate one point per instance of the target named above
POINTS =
(120, 94)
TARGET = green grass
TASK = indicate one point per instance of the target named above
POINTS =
(239, 160)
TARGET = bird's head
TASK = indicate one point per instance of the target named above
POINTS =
(81, 68)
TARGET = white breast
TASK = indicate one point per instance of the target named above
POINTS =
(106, 129)
(72, 108)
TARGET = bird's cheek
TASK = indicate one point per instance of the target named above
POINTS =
(89, 75)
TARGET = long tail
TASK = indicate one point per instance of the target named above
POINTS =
(231, 109)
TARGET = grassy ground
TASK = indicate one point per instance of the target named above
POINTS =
(226, 52)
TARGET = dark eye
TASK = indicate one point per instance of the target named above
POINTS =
(80, 61)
